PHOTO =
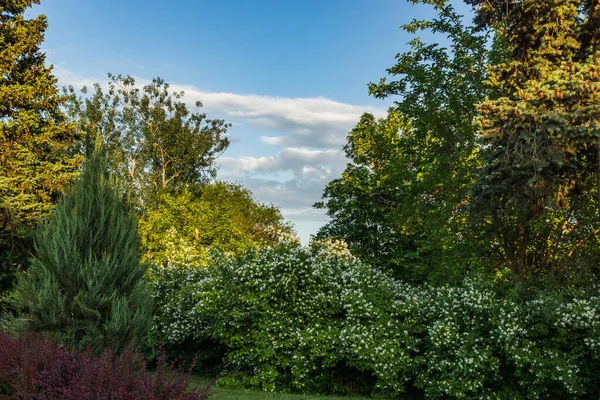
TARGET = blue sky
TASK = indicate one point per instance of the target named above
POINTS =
(290, 75)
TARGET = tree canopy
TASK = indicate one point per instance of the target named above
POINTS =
(420, 161)
(155, 144)
(222, 216)
(36, 163)
(541, 130)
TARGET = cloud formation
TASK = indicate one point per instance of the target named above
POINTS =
(315, 122)
(306, 136)
(303, 162)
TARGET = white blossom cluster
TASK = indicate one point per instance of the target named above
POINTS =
(292, 318)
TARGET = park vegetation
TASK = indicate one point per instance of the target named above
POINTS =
(461, 258)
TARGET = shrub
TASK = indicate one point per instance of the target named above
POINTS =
(479, 344)
(85, 283)
(308, 320)
(186, 340)
(318, 320)
(34, 367)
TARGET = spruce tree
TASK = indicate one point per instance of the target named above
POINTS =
(35, 166)
(541, 131)
(85, 284)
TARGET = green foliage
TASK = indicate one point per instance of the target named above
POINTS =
(403, 201)
(318, 320)
(479, 344)
(362, 203)
(85, 285)
(153, 142)
(540, 126)
(306, 320)
(220, 215)
(35, 165)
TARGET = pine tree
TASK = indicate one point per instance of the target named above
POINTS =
(85, 284)
(541, 129)
(34, 164)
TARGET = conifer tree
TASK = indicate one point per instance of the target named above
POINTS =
(85, 283)
(34, 164)
(541, 130)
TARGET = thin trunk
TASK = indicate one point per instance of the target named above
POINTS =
(132, 170)
(598, 173)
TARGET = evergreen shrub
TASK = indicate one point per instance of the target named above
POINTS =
(85, 284)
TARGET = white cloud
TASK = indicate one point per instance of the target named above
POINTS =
(310, 171)
(301, 161)
(306, 134)
(67, 77)
(315, 122)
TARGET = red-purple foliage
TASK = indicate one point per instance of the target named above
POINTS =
(33, 367)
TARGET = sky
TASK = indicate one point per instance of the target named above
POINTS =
(289, 75)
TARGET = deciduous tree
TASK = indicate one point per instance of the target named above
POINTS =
(404, 199)
(154, 142)
(220, 215)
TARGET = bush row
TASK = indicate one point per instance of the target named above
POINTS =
(318, 320)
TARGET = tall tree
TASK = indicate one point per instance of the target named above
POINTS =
(86, 284)
(541, 129)
(154, 142)
(420, 195)
(362, 202)
(35, 165)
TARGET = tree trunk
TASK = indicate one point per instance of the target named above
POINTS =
(522, 240)
(598, 174)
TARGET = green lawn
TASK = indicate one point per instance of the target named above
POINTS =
(221, 393)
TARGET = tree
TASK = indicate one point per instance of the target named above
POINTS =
(86, 284)
(222, 216)
(362, 203)
(35, 162)
(408, 184)
(541, 129)
(154, 143)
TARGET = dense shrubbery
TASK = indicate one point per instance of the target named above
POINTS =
(477, 343)
(290, 318)
(32, 367)
(318, 320)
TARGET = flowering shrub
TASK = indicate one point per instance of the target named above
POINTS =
(175, 329)
(477, 344)
(34, 368)
(292, 318)
(318, 320)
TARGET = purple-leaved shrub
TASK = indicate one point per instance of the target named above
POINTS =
(36, 367)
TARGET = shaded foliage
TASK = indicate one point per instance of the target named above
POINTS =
(32, 367)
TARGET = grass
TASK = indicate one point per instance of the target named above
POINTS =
(220, 393)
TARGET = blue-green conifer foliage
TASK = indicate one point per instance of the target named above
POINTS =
(86, 284)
